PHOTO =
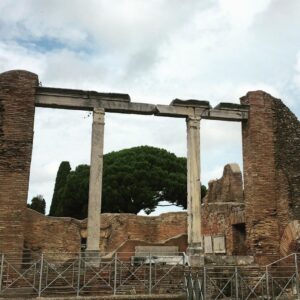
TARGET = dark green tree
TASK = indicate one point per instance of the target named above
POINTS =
(140, 177)
(203, 192)
(74, 197)
(133, 179)
(38, 203)
(60, 182)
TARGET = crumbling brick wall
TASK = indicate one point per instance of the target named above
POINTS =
(287, 161)
(229, 188)
(51, 234)
(17, 95)
(223, 207)
(271, 152)
(121, 232)
(117, 229)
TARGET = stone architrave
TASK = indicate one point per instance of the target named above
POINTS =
(95, 185)
(193, 183)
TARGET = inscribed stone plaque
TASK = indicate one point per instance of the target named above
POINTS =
(208, 244)
(219, 244)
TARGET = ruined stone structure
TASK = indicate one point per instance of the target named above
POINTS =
(223, 213)
(271, 172)
(17, 97)
(119, 232)
(260, 221)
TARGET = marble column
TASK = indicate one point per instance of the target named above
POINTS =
(193, 184)
(95, 186)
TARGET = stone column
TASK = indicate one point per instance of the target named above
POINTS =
(193, 185)
(95, 186)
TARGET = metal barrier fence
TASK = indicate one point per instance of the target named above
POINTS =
(84, 274)
(279, 280)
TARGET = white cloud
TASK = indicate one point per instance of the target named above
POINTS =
(156, 51)
(297, 69)
(241, 13)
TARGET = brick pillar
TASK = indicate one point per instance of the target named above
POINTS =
(260, 177)
(17, 94)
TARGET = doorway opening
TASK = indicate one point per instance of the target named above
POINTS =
(239, 239)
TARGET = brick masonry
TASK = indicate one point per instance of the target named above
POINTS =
(271, 147)
(119, 232)
(223, 207)
(271, 153)
(229, 188)
(17, 95)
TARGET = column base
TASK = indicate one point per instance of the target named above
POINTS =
(92, 257)
(195, 254)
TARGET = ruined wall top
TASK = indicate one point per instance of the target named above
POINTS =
(229, 188)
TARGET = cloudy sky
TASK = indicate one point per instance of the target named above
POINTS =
(154, 50)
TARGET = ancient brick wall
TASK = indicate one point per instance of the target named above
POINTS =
(271, 149)
(17, 90)
(121, 232)
(116, 229)
(289, 242)
(287, 162)
(229, 188)
(218, 220)
(223, 208)
(51, 234)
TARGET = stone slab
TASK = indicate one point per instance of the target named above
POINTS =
(219, 244)
(208, 247)
(158, 250)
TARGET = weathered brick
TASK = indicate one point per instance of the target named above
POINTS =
(271, 154)
(121, 232)
(17, 95)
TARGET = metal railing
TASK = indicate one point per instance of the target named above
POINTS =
(278, 280)
(84, 274)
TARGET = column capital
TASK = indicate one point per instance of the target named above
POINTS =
(99, 110)
(193, 121)
(98, 115)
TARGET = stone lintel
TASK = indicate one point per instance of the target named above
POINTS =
(121, 103)
(77, 103)
(177, 111)
(232, 106)
(82, 94)
(225, 115)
